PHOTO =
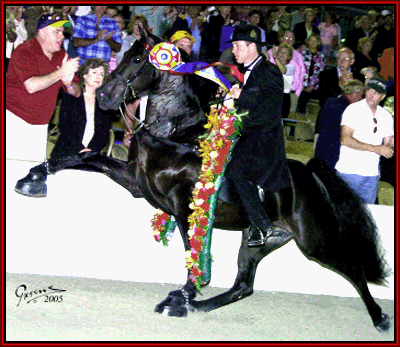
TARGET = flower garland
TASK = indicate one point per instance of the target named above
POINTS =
(163, 227)
(216, 148)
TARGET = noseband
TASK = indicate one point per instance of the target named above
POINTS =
(129, 87)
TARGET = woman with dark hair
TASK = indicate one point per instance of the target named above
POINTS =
(83, 125)
(314, 62)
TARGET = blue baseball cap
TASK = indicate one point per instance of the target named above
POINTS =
(53, 20)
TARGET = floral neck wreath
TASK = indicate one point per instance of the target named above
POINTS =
(216, 148)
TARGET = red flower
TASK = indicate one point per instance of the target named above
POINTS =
(221, 159)
(230, 130)
(224, 151)
(211, 191)
(196, 272)
(203, 221)
(218, 169)
(205, 206)
(195, 256)
(196, 244)
(200, 232)
(203, 194)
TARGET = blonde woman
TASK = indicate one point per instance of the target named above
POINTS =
(283, 55)
(363, 57)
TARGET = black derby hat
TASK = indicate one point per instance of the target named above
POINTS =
(247, 32)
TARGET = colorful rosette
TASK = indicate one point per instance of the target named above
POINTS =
(165, 56)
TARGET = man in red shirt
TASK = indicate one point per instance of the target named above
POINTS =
(37, 70)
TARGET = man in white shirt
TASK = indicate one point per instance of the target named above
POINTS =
(366, 133)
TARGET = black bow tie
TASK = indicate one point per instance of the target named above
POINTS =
(243, 69)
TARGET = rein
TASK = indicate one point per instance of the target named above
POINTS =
(128, 86)
(147, 126)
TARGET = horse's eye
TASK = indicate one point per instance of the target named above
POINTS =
(136, 60)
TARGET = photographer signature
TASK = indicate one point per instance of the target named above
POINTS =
(48, 293)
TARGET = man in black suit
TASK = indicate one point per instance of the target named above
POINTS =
(259, 157)
(355, 34)
(332, 79)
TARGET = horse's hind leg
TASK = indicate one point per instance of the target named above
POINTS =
(356, 276)
(248, 260)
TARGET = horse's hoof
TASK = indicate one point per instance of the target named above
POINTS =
(385, 324)
(31, 189)
(172, 311)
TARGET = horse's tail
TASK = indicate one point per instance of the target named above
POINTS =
(97, 162)
(357, 227)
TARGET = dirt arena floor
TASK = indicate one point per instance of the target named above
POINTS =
(104, 310)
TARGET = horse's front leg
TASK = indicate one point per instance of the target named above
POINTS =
(248, 260)
(34, 184)
(177, 303)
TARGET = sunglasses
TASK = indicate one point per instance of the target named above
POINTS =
(376, 125)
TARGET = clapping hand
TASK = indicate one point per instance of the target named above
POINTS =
(68, 69)
(108, 36)
(102, 34)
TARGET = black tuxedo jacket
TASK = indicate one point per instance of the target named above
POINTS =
(260, 155)
(329, 83)
(72, 126)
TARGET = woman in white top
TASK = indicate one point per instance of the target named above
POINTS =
(83, 125)
(282, 56)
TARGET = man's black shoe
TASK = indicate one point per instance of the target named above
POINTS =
(257, 238)
(33, 184)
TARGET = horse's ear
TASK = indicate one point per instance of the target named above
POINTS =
(144, 33)
(145, 38)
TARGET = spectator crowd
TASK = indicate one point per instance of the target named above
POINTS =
(321, 57)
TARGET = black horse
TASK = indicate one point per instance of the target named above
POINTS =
(327, 221)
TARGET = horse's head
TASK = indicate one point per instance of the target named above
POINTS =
(133, 76)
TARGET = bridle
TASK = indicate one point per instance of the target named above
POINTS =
(129, 87)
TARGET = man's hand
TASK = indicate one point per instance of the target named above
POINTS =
(100, 33)
(384, 151)
(108, 36)
(235, 91)
(68, 69)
